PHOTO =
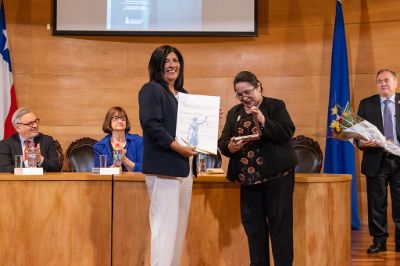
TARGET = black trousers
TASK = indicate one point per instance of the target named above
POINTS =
(377, 199)
(267, 210)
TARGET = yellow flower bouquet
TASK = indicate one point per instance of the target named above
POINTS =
(344, 119)
(349, 126)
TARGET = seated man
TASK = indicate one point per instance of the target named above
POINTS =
(27, 126)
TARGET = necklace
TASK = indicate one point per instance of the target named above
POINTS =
(118, 145)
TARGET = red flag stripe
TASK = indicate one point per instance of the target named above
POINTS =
(8, 126)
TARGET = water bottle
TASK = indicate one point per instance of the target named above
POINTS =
(32, 155)
(117, 156)
(201, 163)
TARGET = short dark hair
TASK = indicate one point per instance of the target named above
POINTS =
(247, 76)
(110, 113)
(386, 70)
(156, 65)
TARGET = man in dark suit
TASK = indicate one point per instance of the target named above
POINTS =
(27, 126)
(379, 166)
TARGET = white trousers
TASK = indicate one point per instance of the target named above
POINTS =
(169, 212)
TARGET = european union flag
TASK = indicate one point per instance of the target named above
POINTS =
(339, 155)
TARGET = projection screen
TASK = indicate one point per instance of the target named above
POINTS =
(155, 17)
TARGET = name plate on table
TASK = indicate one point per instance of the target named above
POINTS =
(214, 171)
(106, 171)
(28, 171)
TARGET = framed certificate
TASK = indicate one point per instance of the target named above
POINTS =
(197, 122)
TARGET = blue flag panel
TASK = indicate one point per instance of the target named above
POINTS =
(339, 154)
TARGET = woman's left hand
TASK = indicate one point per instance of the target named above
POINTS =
(259, 114)
(128, 163)
(124, 154)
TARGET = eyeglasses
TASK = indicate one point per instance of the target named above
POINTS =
(240, 95)
(30, 124)
(116, 118)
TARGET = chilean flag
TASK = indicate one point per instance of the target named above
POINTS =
(8, 101)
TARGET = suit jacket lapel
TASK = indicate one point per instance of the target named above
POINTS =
(397, 114)
(109, 149)
(376, 109)
(17, 144)
(38, 139)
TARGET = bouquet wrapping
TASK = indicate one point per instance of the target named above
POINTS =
(349, 126)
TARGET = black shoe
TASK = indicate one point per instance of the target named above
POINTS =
(397, 248)
(377, 247)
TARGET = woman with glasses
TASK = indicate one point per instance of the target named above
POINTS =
(165, 163)
(264, 168)
(117, 125)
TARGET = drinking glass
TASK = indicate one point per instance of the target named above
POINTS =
(19, 162)
(201, 163)
(103, 161)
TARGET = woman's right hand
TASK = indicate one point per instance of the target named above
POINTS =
(236, 145)
(183, 150)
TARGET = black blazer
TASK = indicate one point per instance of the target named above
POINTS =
(11, 146)
(158, 109)
(277, 153)
(370, 109)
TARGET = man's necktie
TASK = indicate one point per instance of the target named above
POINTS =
(26, 149)
(387, 121)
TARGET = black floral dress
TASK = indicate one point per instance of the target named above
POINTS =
(251, 160)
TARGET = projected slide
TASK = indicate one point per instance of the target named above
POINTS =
(157, 15)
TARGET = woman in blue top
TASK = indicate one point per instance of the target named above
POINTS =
(117, 125)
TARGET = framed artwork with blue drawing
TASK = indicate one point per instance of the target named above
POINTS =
(198, 121)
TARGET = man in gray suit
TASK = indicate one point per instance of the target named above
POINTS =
(26, 124)
(380, 167)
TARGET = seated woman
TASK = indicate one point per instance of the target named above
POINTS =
(116, 124)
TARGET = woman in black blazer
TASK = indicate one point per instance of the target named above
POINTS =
(165, 162)
(263, 167)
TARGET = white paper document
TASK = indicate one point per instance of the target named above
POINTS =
(197, 122)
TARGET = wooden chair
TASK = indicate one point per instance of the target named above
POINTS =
(60, 152)
(309, 154)
(81, 155)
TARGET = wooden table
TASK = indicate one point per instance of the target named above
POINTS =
(66, 219)
(55, 219)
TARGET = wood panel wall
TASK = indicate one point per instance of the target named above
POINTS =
(70, 82)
